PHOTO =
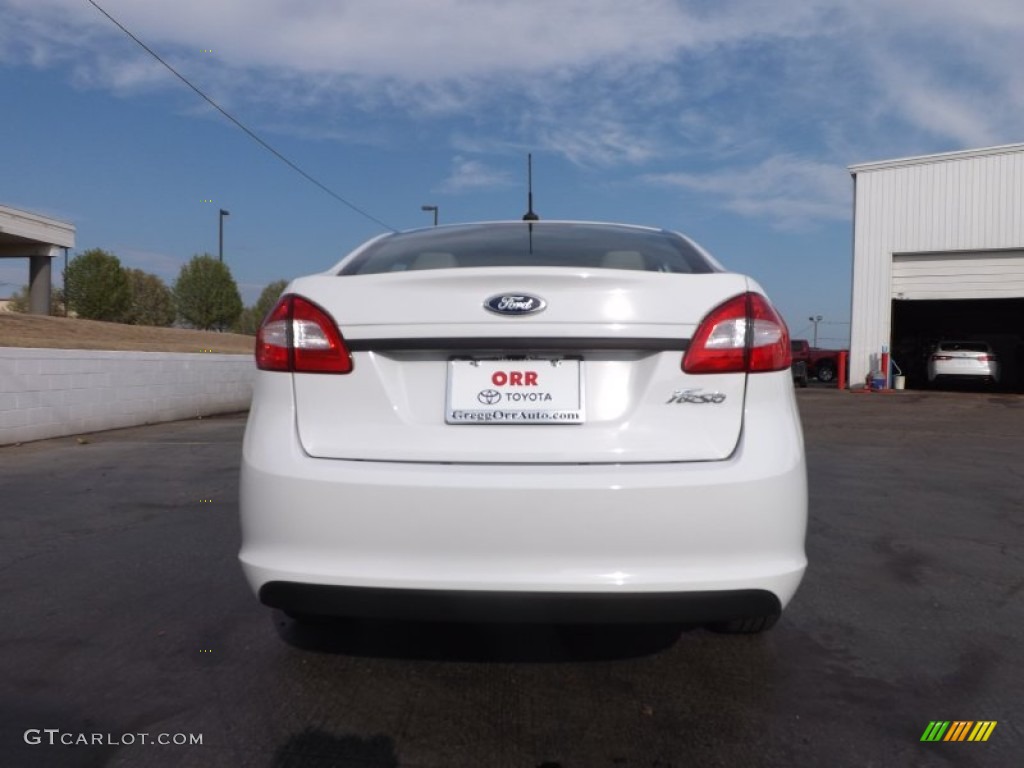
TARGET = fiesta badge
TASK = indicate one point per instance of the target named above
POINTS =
(514, 304)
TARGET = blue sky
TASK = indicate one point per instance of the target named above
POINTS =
(731, 121)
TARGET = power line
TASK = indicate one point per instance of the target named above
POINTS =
(238, 123)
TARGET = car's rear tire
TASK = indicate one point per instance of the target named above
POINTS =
(749, 626)
(826, 372)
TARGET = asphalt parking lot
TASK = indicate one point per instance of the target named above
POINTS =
(125, 613)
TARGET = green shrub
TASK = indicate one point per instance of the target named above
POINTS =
(206, 295)
(97, 287)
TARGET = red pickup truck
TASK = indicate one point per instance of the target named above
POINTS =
(822, 363)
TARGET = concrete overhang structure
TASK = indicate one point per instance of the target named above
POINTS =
(37, 238)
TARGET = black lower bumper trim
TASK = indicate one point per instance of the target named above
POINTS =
(527, 607)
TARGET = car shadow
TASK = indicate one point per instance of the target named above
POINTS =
(471, 642)
(970, 385)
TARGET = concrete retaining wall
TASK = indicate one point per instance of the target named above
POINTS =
(53, 392)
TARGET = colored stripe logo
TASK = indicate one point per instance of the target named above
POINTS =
(959, 730)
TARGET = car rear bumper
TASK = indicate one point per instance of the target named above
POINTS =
(963, 372)
(544, 607)
(699, 541)
(980, 376)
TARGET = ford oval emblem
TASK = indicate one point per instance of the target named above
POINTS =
(515, 304)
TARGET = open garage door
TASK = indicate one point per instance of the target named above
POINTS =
(918, 324)
(958, 275)
(958, 296)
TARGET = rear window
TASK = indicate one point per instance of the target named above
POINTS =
(963, 346)
(515, 244)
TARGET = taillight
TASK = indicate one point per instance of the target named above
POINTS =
(743, 334)
(987, 358)
(942, 357)
(297, 336)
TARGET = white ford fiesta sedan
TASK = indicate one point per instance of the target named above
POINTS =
(525, 421)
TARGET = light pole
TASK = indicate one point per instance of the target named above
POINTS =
(65, 281)
(815, 319)
(220, 240)
(429, 208)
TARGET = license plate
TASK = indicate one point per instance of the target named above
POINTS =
(514, 392)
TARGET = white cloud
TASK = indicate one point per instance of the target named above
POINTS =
(468, 174)
(788, 191)
(410, 41)
(600, 82)
(947, 69)
(935, 106)
(404, 44)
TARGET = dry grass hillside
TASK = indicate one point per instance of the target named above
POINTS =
(18, 330)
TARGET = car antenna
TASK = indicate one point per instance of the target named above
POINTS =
(529, 215)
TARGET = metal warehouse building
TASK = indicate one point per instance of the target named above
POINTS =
(938, 253)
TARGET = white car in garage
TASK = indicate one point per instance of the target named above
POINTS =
(525, 421)
(963, 361)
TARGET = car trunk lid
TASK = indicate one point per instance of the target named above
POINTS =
(607, 347)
